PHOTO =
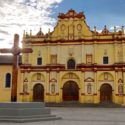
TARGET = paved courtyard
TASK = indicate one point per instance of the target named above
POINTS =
(83, 116)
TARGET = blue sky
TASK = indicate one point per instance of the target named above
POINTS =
(19, 15)
(98, 12)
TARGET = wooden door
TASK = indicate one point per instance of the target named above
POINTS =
(70, 91)
(106, 93)
(38, 93)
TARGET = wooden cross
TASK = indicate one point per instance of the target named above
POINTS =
(16, 52)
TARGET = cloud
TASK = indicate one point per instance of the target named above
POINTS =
(19, 15)
(117, 28)
(4, 32)
(1, 39)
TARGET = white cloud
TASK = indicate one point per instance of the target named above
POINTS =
(111, 29)
(19, 15)
(117, 28)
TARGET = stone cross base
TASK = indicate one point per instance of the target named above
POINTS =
(25, 112)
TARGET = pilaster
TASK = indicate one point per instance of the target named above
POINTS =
(59, 54)
(123, 51)
(95, 49)
(115, 89)
(124, 87)
(48, 54)
(83, 60)
(47, 88)
(96, 91)
(82, 89)
(58, 94)
(25, 88)
(115, 52)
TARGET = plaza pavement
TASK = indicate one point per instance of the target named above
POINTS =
(83, 116)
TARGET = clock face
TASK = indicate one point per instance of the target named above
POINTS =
(79, 27)
(63, 27)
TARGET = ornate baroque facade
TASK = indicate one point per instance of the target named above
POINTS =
(72, 63)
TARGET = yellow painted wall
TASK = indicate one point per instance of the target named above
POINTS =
(65, 47)
(5, 93)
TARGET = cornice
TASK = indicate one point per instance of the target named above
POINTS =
(79, 41)
(80, 67)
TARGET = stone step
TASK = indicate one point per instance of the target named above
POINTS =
(77, 104)
(22, 105)
(25, 112)
(16, 120)
(26, 117)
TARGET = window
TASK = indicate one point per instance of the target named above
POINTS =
(8, 80)
(89, 58)
(39, 61)
(105, 60)
(71, 64)
(53, 59)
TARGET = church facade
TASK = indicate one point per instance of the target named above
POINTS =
(72, 63)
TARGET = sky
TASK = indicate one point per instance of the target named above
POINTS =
(19, 15)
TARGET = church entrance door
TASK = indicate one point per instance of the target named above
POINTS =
(106, 93)
(70, 91)
(38, 93)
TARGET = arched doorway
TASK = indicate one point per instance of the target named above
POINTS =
(106, 93)
(38, 93)
(70, 91)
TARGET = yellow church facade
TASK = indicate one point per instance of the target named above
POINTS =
(72, 63)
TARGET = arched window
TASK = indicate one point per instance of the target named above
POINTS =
(71, 64)
(8, 80)
(39, 61)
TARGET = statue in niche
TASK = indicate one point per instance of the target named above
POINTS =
(120, 89)
(89, 88)
(53, 88)
(25, 86)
